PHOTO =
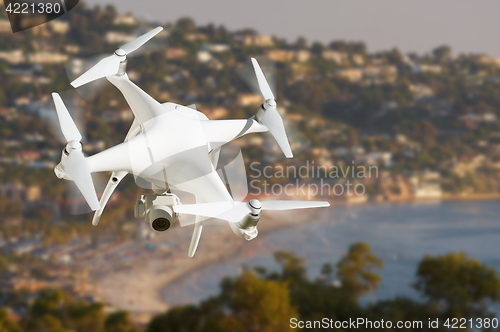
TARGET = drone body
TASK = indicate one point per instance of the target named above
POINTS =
(172, 147)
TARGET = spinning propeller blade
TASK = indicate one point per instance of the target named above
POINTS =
(271, 118)
(229, 210)
(139, 41)
(292, 205)
(265, 89)
(235, 211)
(76, 166)
(106, 67)
(68, 126)
(111, 65)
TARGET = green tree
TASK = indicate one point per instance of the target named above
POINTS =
(442, 52)
(246, 303)
(317, 48)
(186, 25)
(7, 324)
(256, 305)
(119, 322)
(356, 271)
(339, 45)
(300, 43)
(405, 310)
(293, 268)
(458, 284)
(56, 311)
(177, 319)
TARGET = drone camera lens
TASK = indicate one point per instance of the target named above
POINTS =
(161, 224)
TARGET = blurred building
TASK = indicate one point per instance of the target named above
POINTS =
(251, 38)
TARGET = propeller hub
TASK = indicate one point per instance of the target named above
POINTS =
(255, 206)
(74, 146)
(120, 52)
(271, 102)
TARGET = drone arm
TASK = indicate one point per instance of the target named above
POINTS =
(220, 132)
(144, 107)
(131, 156)
(135, 129)
(113, 182)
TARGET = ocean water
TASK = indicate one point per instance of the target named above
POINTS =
(400, 234)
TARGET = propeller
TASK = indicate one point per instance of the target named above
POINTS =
(74, 166)
(235, 211)
(269, 115)
(110, 65)
(68, 126)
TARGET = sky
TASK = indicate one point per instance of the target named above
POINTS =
(410, 25)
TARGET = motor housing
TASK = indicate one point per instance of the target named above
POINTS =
(248, 226)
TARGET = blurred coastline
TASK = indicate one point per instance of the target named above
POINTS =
(400, 233)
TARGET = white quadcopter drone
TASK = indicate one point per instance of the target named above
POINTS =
(172, 147)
